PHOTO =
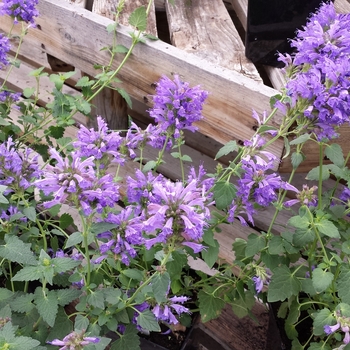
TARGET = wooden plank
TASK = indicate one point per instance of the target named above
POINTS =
(76, 35)
(205, 28)
(107, 8)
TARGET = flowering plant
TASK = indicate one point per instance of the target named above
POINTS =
(90, 258)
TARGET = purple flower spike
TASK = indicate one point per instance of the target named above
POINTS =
(177, 106)
(20, 10)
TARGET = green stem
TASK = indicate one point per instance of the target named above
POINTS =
(319, 205)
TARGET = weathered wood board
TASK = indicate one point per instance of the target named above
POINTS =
(76, 35)
(205, 28)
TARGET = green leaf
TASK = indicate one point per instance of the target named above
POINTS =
(81, 323)
(209, 306)
(276, 245)
(343, 284)
(283, 285)
(210, 254)
(17, 251)
(314, 174)
(120, 49)
(126, 96)
(74, 239)
(175, 266)
(299, 221)
(147, 320)
(133, 274)
(160, 285)
(230, 146)
(63, 326)
(84, 82)
(296, 159)
(65, 296)
(65, 221)
(138, 19)
(224, 193)
(149, 166)
(96, 298)
(302, 237)
(301, 139)
(321, 279)
(3, 199)
(255, 244)
(327, 228)
(61, 265)
(127, 341)
(56, 131)
(322, 318)
(30, 213)
(239, 247)
(5, 294)
(28, 273)
(335, 154)
(27, 92)
(22, 303)
(47, 304)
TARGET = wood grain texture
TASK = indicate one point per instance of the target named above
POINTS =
(205, 28)
(107, 9)
(76, 36)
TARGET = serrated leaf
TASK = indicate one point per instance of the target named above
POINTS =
(314, 174)
(148, 321)
(149, 166)
(133, 274)
(209, 306)
(343, 284)
(126, 96)
(255, 244)
(84, 81)
(210, 254)
(138, 19)
(120, 49)
(283, 285)
(160, 286)
(301, 139)
(61, 265)
(22, 303)
(65, 296)
(46, 304)
(28, 273)
(297, 221)
(321, 279)
(30, 213)
(27, 92)
(296, 159)
(322, 318)
(127, 341)
(96, 299)
(239, 247)
(224, 193)
(231, 146)
(56, 131)
(65, 221)
(302, 237)
(17, 251)
(5, 294)
(328, 228)
(74, 239)
(276, 245)
(81, 323)
(335, 154)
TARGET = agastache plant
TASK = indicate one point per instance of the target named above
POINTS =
(96, 244)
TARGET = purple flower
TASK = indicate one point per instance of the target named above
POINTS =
(4, 50)
(20, 10)
(100, 144)
(304, 197)
(181, 213)
(17, 167)
(177, 106)
(121, 240)
(12, 212)
(164, 312)
(140, 190)
(7, 96)
(74, 340)
(259, 284)
(319, 74)
(67, 179)
(331, 329)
